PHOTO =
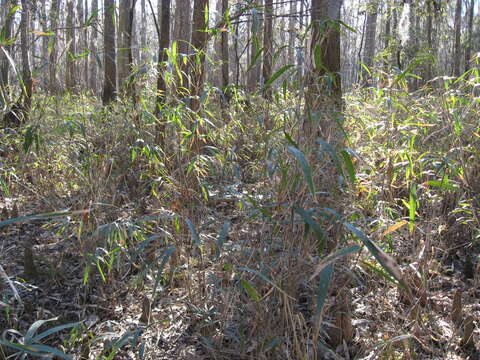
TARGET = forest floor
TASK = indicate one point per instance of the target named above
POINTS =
(157, 268)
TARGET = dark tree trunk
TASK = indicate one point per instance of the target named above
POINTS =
(162, 53)
(457, 46)
(110, 65)
(26, 72)
(468, 49)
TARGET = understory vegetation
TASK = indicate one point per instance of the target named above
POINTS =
(237, 251)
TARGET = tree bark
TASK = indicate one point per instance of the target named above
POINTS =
(292, 33)
(124, 53)
(162, 52)
(110, 65)
(254, 62)
(268, 47)
(457, 46)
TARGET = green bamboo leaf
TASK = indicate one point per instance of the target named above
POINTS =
(193, 231)
(323, 286)
(250, 290)
(307, 171)
(290, 139)
(387, 262)
(222, 236)
(412, 206)
(320, 234)
(166, 255)
(277, 74)
(349, 165)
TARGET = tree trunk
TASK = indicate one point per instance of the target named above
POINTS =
(26, 72)
(143, 31)
(468, 49)
(70, 63)
(324, 87)
(7, 32)
(162, 53)
(291, 32)
(183, 31)
(225, 54)
(82, 80)
(110, 65)
(93, 49)
(124, 53)
(370, 40)
(254, 62)
(268, 47)
(199, 43)
(457, 46)
(52, 63)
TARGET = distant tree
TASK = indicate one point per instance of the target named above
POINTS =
(370, 38)
(199, 43)
(70, 79)
(457, 48)
(268, 46)
(26, 72)
(110, 65)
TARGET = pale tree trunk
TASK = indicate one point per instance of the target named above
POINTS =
(70, 63)
(26, 72)
(81, 45)
(52, 63)
(44, 25)
(183, 31)
(93, 49)
(253, 76)
(143, 31)
(468, 49)
(370, 40)
(7, 32)
(216, 76)
(199, 43)
(110, 65)
(268, 46)
(291, 32)
(86, 61)
(457, 45)
(429, 28)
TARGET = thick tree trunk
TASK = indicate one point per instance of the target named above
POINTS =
(26, 72)
(199, 43)
(110, 65)
(70, 81)
(324, 92)
(143, 31)
(268, 46)
(457, 46)
(124, 53)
